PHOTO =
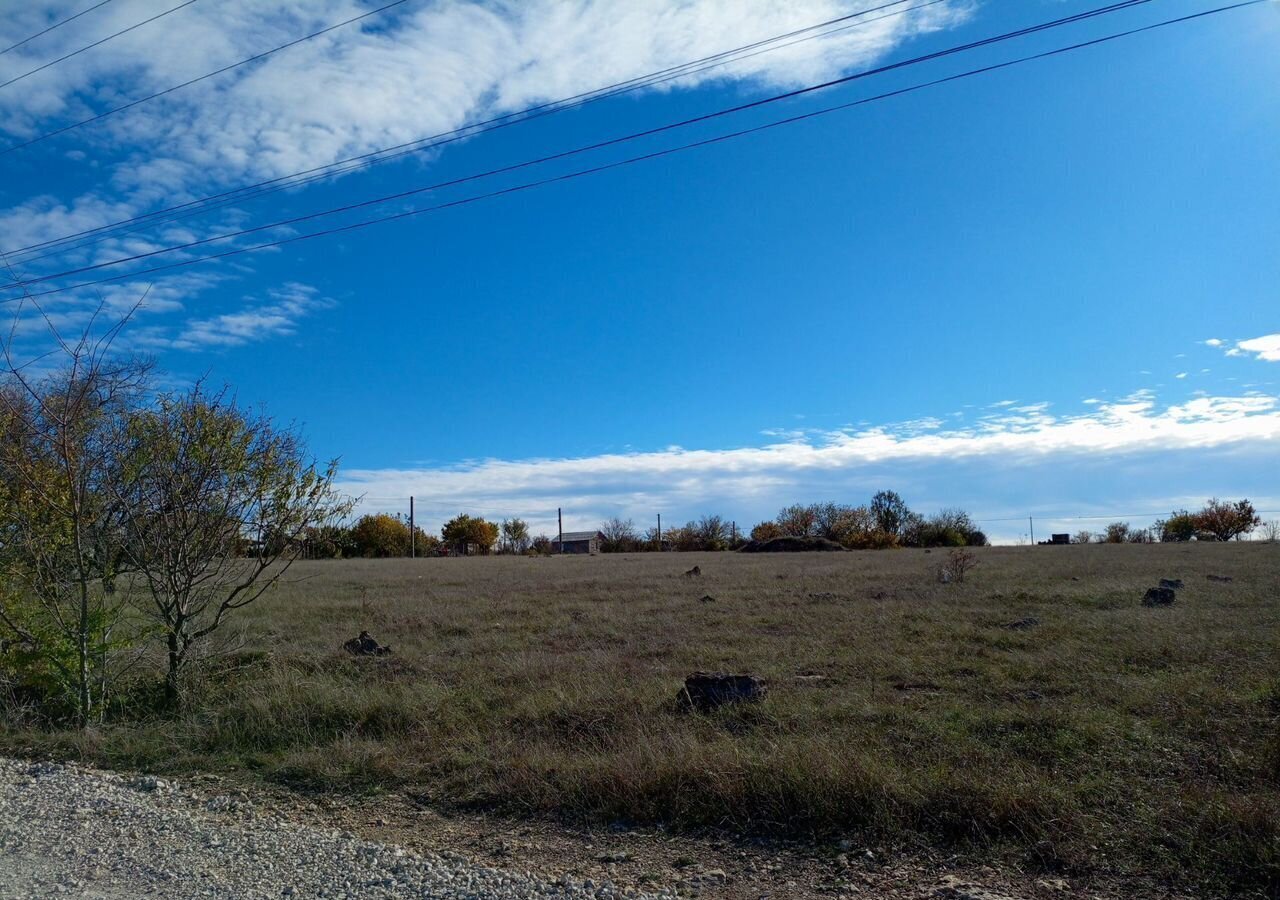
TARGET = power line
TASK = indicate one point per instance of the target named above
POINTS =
(636, 159)
(377, 157)
(386, 154)
(96, 43)
(178, 87)
(1048, 517)
(589, 147)
(53, 26)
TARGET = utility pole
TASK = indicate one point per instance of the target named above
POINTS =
(659, 532)
(1032, 522)
(413, 543)
(560, 525)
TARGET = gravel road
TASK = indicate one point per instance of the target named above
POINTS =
(67, 831)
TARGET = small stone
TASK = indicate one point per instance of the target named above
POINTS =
(1159, 596)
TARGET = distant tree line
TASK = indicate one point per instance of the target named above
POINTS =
(1217, 520)
(382, 535)
(884, 522)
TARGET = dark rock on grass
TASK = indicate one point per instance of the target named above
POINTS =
(1159, 596)
(364, 645)
(1021, 624)
(695, 572)
(1221, 579)
(791, 544)
(706, 598)
(1171, 583)
(708, 691)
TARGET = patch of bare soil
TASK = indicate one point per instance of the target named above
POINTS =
(709, 867)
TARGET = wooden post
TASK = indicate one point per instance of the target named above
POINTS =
(560, 525)
(659, 532)
(413, 544)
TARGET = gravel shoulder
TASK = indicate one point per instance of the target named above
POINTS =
(71, 831)
(67, 831)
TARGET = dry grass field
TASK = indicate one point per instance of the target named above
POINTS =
(1106, 737)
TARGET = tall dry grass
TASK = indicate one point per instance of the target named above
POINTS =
(1107, 737)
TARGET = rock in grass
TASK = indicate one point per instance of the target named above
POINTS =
(1171, 583)
(1221, 579)
(1159, 596)
(707, 691)
(364, 645)
(1021, 624)
(706, 598)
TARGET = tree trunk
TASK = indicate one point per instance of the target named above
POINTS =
(171, 694)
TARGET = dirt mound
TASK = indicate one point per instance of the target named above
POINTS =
(790, 545)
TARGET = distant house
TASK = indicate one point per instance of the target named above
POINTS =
(1057, 539)
(578, 542)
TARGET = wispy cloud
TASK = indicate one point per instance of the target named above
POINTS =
(257, 321)
(833, 464)
(422, 69)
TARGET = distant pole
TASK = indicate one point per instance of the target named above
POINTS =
(413, 544)
(659, 532)
(1032, 522)
(560, 525)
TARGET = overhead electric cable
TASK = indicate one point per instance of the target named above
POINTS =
(178, 87)
(1048, 517)
(97, 43)
(400, 195)
(58, 24)
(386, 154)
(644, 157)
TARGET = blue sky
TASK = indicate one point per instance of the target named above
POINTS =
(1050, 290)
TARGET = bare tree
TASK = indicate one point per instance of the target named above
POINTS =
(515, 535)
(220, 502)
(712, 533)
(620, 536)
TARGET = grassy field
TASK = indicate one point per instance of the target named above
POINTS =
(1107, 738)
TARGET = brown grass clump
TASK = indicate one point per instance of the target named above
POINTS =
(1090, 735)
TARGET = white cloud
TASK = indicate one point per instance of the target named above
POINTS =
(1213, 342)
(1265, 348)
(420, 70)
(834, 463)
(1181, 375)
